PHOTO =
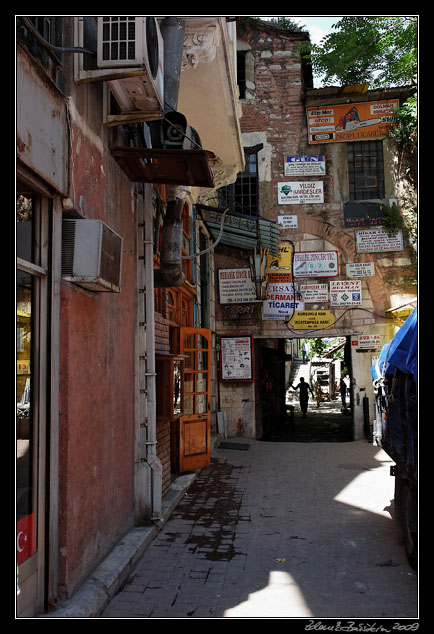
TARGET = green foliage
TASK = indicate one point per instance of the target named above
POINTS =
(378, 50)
(317, 346)
(403, 131)
(287, 24)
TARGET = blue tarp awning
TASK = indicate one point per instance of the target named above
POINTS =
(400, 352)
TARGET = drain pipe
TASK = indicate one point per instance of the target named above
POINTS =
(172, 30)
(150, 375)
(170, 271)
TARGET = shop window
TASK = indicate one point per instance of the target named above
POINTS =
(365, 170)
(31, 364)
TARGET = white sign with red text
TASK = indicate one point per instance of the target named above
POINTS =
(345, 292)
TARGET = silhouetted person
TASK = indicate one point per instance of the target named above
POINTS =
(304, 394)
(343, 390)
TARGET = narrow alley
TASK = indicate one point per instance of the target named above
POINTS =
(278, 530)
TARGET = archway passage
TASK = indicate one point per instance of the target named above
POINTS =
(328, 417)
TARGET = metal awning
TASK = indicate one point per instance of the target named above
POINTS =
(241, 231)
(171, 167)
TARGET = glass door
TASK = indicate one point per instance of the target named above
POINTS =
(194, 437)
(31, 363)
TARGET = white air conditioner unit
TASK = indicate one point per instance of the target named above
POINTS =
(133, 44)
(91, 255)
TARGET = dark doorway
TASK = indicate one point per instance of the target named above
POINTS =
(329, 417)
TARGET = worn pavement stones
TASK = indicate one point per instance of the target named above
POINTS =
(280, 530)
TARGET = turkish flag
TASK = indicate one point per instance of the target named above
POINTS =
(26, 538)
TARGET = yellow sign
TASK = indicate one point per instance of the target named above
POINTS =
(311, 319)
(279, 268)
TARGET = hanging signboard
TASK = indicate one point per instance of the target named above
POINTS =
(314, 293)
(281, 301)
(311, 319)
(351, 122)
(236, 286)
(360, 269)
(279, 269)
(316, 264)
(366, 341)
(236, 358)
(304, 165)
(288, 222)
(378, 240)
(300, 192)
(345, 292)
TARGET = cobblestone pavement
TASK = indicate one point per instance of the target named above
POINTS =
(278, 529)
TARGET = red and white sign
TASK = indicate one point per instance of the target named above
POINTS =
(316, 264)
(26, 538)
(345, 292)
(314, 293)
(366, 341)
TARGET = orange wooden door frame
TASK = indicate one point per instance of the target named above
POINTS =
(195, 423)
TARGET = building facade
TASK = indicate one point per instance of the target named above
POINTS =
(108, 172)
(321, 166)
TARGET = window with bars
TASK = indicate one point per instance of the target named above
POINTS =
(242, 196)
(365, 170)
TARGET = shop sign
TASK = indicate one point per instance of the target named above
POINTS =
(316, 264)
(378, 240)
(345, 292)
(281, 301)
(23, 366)
(304, 165)
(365, 214)
(236, 360)
(312, 319)
(366, 341)
(288, 222)
(360, 269)
(279, 268)
(351, 122)
(300, 192)
(314, 293)
(236, 286)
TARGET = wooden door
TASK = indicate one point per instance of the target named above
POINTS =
(194, 432)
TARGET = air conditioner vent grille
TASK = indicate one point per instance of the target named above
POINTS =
(68, 247)
(91, 255)
(119, 38)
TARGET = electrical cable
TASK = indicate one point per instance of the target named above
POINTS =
(214, 244)
(340, 317)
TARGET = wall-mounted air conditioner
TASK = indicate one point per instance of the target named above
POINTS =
(134, 47)
(91, 255)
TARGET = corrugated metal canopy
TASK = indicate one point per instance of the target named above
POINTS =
(241, 231)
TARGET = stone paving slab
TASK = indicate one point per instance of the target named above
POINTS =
(284, 530)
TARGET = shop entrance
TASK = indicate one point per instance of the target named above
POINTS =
(291, 367)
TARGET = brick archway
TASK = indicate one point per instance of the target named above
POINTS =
(346, 245)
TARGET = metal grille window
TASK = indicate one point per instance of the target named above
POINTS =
(242, 196)
(365, 170)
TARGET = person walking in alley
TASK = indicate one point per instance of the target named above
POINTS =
(306, 350)
(304, 394)
(343, 391)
